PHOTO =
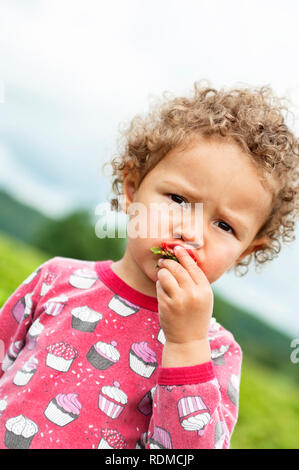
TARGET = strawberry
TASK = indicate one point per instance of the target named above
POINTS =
(166, 250)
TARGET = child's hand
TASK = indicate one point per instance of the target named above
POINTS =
(185, 300)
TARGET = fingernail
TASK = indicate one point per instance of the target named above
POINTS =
(160, 261)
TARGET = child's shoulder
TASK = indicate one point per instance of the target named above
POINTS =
(61, 262)
(59, 274)
(59, 266)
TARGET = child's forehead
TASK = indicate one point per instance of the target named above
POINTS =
(241, 184)
(197, 145)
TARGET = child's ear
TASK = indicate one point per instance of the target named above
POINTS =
(257, 244)
(130, 186)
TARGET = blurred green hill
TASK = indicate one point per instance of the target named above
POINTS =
(269, 405)
(18, 219)
(72, 235)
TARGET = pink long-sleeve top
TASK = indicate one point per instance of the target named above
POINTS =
(81, 368)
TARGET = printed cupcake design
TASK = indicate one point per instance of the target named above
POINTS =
(48, 282)
(20, 432)
(111, 439)
(11, 355)
(83, 278)
(153, 391)
(23, 307)
(85, 319)
(193, 414)
(112, 400)
(219, 435)
(24, 375)
(32, 276)
(55, 305)
(142, 359)
(61, 356)
(33, 333)
(122, 307)
(145, 404)
(161, 337)
(214, 325)
(233, 389)
(142, 441)
(160, 439)
(63, 409)
(3, 404)
(103, 355)
(217, 355)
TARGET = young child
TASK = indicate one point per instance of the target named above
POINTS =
(115, 355)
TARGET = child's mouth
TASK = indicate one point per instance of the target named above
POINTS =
(166, 249)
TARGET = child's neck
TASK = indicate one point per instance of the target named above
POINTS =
(127, 269)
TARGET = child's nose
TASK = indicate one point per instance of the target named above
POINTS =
(190, 240)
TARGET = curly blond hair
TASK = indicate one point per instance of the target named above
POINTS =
(252, 117)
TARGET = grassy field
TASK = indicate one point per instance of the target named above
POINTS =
(268, 411)
(17, 261)
(269, 400)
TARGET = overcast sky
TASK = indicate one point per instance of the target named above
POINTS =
(72, 71)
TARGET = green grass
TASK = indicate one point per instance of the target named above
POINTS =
(268, 410)
(17, 261)
(269, 400)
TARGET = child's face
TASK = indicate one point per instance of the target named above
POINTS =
(219, 175)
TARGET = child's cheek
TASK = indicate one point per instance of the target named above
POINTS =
(158, 222)
(217, 262)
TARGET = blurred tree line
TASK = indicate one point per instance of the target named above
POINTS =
(74, 236)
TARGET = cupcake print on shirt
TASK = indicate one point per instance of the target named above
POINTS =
(48, 283)
(103, 355)
(161, 337)
(63, 409)
(11, 355)
(122, 307)
(142, 359)
(61, 356)
(112, 400)
(23, 308)
(24, 375)
(83, 278)
(20, 432)
(85, 319)
(217, 355)
(160, 439)
(3, 404)
(193, 414)
(55, 305)
(219, 435)
(34, 332)
(141, 443)
(111, 439)
(232, 389)
(145, 404)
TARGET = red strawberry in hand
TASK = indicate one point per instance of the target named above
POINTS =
(166, 250)
(169, 246)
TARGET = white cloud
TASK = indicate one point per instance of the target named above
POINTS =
(18, 181)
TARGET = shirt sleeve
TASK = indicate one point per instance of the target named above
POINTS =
(196, 407)
(16, 316)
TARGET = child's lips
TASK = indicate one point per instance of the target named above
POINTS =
(188, 246)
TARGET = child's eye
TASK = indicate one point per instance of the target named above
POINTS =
(229, 227)
(175, 196)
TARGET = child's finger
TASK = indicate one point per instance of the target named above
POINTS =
(190, 265)
(168, 283)
(178, 272)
